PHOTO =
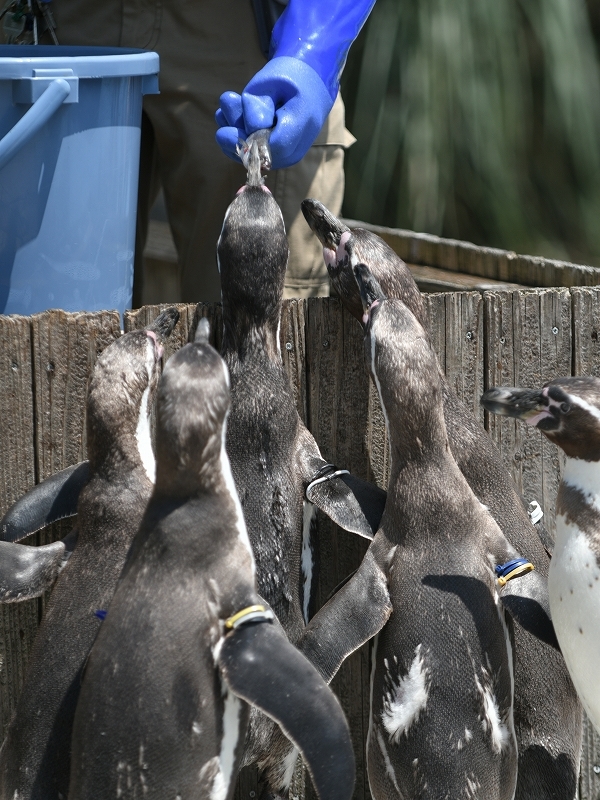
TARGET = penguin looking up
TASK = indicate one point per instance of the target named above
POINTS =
(187, 641)
(35, 756)
(276, 464)
(441, 720)
(567, 411)
(548, 753)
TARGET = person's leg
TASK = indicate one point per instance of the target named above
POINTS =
(148, 188)
(319, 175)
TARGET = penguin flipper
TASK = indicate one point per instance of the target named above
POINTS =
(261, 666)
(355, 614)
(353, 504)
(27, 572)
(526, 600)
(53, 499)
(525, 596)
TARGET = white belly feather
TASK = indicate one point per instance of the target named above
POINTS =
(574, 590)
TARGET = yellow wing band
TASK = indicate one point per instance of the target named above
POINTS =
(249, 614)
(522, 569)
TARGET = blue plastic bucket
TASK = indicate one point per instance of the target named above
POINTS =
(70, 122)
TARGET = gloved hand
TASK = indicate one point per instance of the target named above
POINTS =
(286, 95)
(294, 92)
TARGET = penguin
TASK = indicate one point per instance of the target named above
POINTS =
(277, 467)
(441, 719)
(548, 753)
(35, 756)
(567, 411)
(187, 642)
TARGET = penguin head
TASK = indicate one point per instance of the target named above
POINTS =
(252, 255)
(566, 410)
(121, 392)
(192, 405)
(344, 248)
(403, 365)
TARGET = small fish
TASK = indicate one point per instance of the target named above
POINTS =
(255, 154)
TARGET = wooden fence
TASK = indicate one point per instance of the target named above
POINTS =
(511, 338)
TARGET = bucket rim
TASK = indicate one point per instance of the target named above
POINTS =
(18, 61)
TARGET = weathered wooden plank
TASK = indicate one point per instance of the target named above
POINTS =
(435, 307)
(501, 370)
(65, 347)
(586, 331)
(345, 419)
(18, 621)
(456, 331)
(292, 340)
(528, 342)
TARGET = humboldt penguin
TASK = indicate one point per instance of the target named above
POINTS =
(187, 642)
(35, 756)
(276, 464)
(429, 589)
(567, 411)
(544, 693)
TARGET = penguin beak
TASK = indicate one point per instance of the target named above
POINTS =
(530, 405)
(161, 329)
(371, 293)
(327, 228)
(164, 324)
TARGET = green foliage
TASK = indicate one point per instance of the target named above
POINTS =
(478, 120)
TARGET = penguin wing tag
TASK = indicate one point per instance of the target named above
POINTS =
(261, 666)
(53, 499)
(27, 572)
(353, 504)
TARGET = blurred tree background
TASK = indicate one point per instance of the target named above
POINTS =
(479, 120)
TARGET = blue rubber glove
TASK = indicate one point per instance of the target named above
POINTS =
(294, 92)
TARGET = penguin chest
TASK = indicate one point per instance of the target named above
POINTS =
(574, 591)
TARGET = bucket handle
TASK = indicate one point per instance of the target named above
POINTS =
(30, 123)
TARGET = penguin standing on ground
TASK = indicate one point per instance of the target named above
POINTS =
(187, 641)
(35, 756)
(567, 411)
(548, 752)
(276, 463)
(441, 722)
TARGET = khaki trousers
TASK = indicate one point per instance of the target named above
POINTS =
(206, 47)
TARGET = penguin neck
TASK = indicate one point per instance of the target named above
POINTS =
(183, 473)
(245, 336)
(417, 433)
(127, 453)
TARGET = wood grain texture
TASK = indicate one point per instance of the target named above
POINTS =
(65, 348)
(528, 341)
(18, 621)
(456, 330)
